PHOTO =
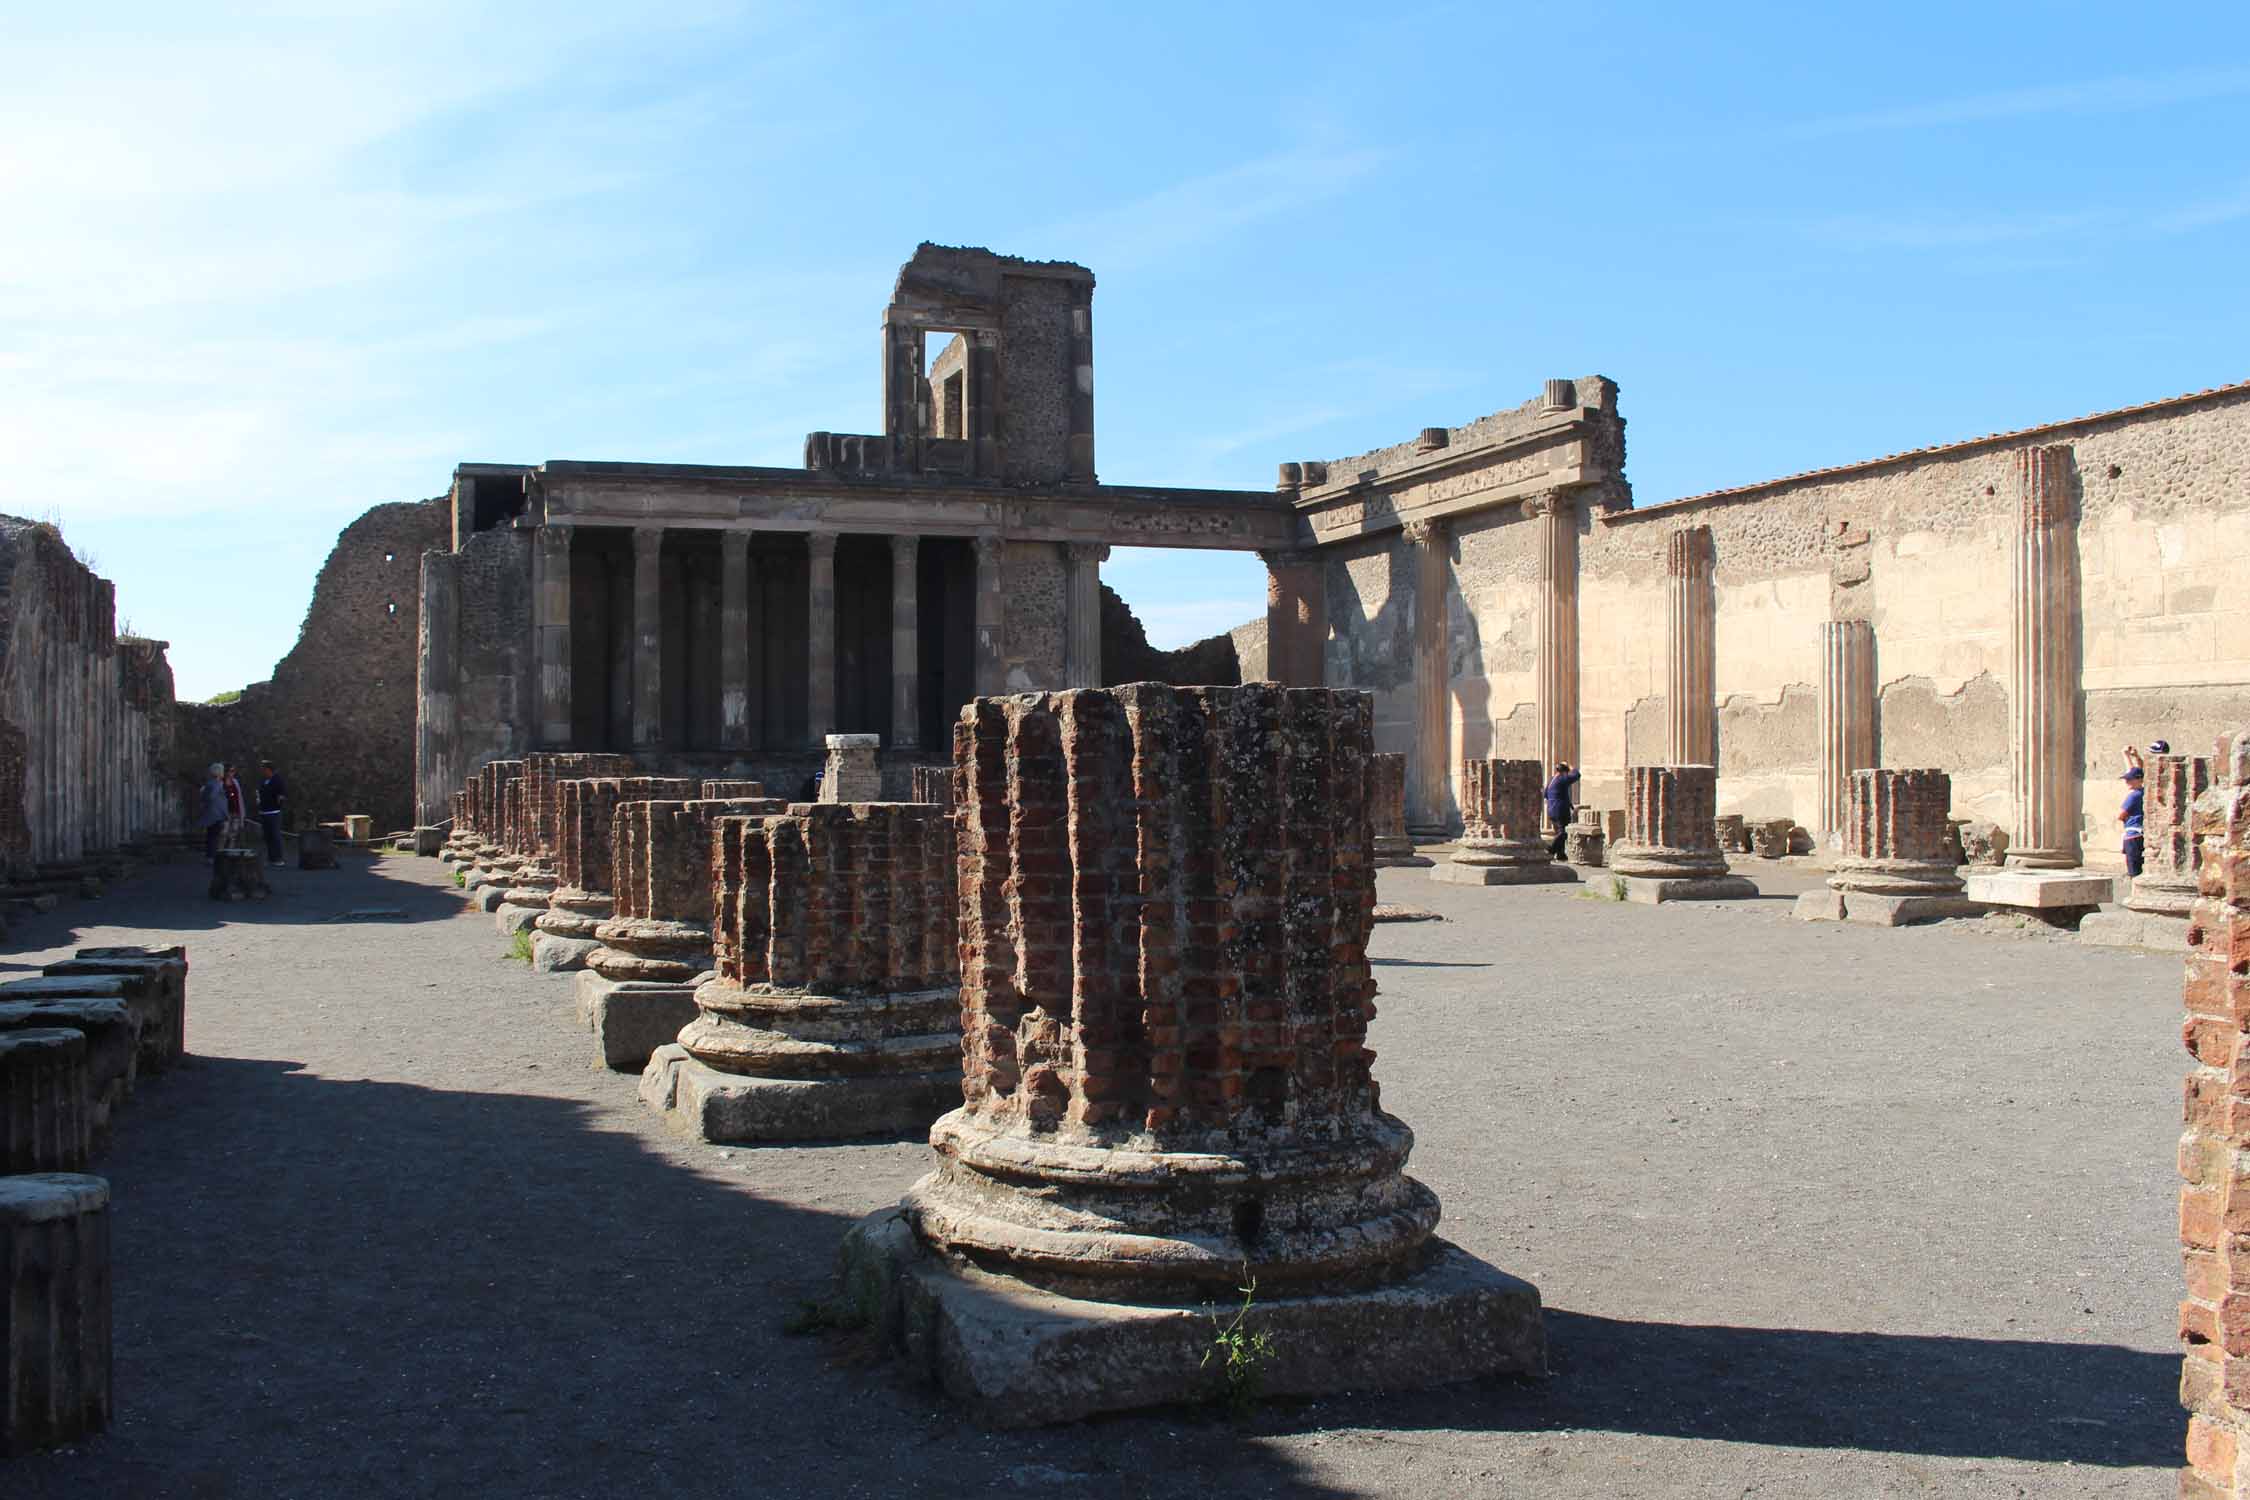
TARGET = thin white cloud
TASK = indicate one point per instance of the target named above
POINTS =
(2089, 96)
(1200, 210)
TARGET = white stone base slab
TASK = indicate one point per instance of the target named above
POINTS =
(1403, 861)
(1881, 911)
(1452, 872)
(1653, 890)
(1016, 1356)
(630, 1019)
(2135, 929)
(704, 1104)
(2039, 890)
(559, 955)
(514, 919)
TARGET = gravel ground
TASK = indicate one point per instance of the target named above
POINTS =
(1816, 1210)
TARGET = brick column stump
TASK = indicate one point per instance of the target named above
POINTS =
(1897, 863)
(2155, 913)
(1386, 810)
(54, 1309)
(639, 986)
(585, 813)
(531, 893)
(836, 1009)
(1670, 851)
(1166, 895)
(1500, 842)
(495, 860)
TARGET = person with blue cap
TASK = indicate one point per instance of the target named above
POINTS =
(2130, 813)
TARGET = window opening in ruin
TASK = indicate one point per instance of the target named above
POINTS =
(390, 557)
(944, 396)
(390, 607)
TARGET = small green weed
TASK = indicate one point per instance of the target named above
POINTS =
(1616, 887)
(1240, 1354)
(519, 947)
(461, 878)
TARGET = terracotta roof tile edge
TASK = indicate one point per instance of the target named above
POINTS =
(1732, 492)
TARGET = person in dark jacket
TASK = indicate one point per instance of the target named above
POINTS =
(273, 796)
(1559, 807)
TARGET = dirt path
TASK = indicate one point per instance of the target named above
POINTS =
(1815, 1210)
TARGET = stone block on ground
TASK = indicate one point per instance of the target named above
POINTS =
(316, 849)
(1648, 890)
(559, 955)
(630, 1019)
(514, 919)
(704, 1104)
(1873, 909)
(2135, 929)
(1452, 872)
(54, 1309)
(46, 1101)
(490, 896)
(2040, 890)
(1019, 1356)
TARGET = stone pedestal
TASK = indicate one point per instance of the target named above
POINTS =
(1386, 811)
(2214, 1150)
(2044, 677)
(54, 1309)
(1583, 845)
(657, 947)
(854, 771)
(2156, 908)
(46, 1101)
(1131, 1146)
(2060, 898)
(240, 874)
(1897, 861)
(1500, 843)
(1670, 851)
(835, 1010)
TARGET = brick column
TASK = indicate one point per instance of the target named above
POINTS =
(1296, 616)
(2171, 854)
(551, 624)
(1670, 851)
(1428, 810)
(2043, 697)
(1556, 516)
(1896, 864)
(836, 1007)
(661, 861)
(1500, 842)
(648, 637)
(820, 637)
(1082, 650)
(991, 645)
(906, 644)
(1691, 715)
(1386, 810)
(2214, 1153)
(1847, 719)
(734, 640)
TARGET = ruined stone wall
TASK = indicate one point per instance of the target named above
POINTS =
(338, 714)
(1035, 377)
(1128, 657)
(1032, 578)
(86, 717)
(476, 664)
(1920, 545)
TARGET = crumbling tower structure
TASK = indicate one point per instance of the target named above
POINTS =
(1166, 896)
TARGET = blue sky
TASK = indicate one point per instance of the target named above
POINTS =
(268, 266)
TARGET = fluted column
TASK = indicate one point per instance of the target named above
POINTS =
(2044, 749)
(1432, 755)
(551, 625)
(906, 645)
(991, 620)
(1082, 652)
(734, 640)
(1556, 516)
(1688, 697)
(648, 637)
(1296, 616)
(820, 637)
(1847, 718)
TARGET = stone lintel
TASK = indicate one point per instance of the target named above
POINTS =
(1352, 512)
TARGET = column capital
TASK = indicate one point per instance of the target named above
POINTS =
(821, 545)
(904, 548)
(648, 538)
(1277, 558)
(1550, 503)
(555, 534)
(735, 539)
(1424, 532)
(988, 548)
(1087, 552)
(1688, 551)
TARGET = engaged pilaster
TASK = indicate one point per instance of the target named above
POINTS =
(906, 644)
(1296, 617)
(648, 637)
(1556, 515)
(1691, 714)
(734, 640)
(1386, 811)
(1082, 651)
(1847, 719)
(820, 636)
(991, 620)
(1427, 809)
(553, 639)
(2044, 747)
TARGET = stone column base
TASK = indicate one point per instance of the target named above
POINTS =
(1453, 872)
(486, 897)
(1878, 910)
(630, 1019)
(1016, 1356)
(2135, 929)
(1393, 851)
(1654, 890)
(512, 919)
(554, 954)
(704, 1104)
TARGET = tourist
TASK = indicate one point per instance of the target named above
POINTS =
(237, 813)
(211, 810)
(2130, 813)
(273, 795)
(1559, 805)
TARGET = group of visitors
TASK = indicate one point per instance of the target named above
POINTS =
(221, 809)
